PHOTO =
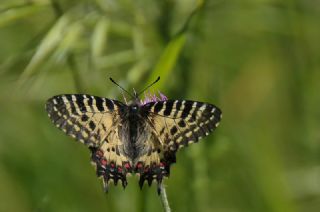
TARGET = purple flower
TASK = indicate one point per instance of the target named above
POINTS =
(162, 97)
(149, 97)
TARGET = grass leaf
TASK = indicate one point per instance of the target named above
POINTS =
(10, 15)
(46, 47)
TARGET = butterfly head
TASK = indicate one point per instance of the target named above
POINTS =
(136, 102)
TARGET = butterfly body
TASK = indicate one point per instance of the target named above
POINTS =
(136, 138)
(134, 120)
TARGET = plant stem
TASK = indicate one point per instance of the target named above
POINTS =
(164, 199)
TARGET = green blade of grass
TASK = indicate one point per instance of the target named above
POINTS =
(116, 59)
(46, 47)
(8, 16)
(99, 38)
(167, 60)
(70, 40)
(170, 55)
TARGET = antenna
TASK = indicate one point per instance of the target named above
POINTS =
(121, 87)
(149, 86)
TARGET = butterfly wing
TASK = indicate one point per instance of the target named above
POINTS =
(180, 123)
(93, 121)
(175, 124)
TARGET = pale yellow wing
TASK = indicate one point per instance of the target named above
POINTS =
(95, 122)
(173, 124)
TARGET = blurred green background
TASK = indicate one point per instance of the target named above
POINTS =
(258, 60)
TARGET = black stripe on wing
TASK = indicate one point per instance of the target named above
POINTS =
(180, 122)
(84, 117)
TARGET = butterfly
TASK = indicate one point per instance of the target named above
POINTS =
(141, 137)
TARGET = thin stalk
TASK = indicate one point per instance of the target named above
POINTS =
(164, 199)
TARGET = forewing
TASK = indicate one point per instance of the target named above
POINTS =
(93, 121)
(86, 118)
(178, 123)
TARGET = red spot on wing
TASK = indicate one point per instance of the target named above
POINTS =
(127, 165)
(103, 162)
(139, 165)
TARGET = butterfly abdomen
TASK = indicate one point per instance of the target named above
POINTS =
(130, 132)
(133, 128)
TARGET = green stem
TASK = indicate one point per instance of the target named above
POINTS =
(164, 199)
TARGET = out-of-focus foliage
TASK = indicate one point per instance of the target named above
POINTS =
(259, 61)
